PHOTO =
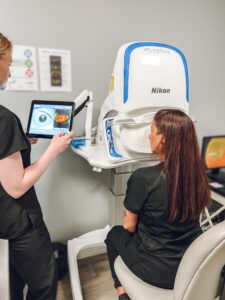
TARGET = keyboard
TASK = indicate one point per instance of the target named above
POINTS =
(219, 177)
(216, 186)
(220, 191)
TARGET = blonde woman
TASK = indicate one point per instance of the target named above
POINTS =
(21, 221)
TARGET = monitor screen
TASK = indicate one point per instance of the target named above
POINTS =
(50, 117)
(213, 152)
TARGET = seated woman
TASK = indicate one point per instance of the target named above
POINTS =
(162, 205)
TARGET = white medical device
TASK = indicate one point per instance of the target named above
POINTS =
(147, 77)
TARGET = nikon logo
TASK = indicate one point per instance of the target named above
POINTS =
(160, 91)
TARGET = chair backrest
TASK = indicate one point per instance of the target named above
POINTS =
(200, 268)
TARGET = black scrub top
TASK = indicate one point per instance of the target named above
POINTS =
(16, 215)
(161, 244)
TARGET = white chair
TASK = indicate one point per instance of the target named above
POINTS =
(197, 277)
(206, 218)
(4, 270)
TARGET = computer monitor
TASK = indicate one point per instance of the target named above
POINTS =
(213, 154)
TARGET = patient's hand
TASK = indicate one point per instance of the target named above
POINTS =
(129, 220)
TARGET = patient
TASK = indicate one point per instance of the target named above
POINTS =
(162, 205)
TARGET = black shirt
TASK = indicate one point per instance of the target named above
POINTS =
(161, 243)
(15, 214)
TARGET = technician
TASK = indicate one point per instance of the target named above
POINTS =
(21, 221)
(162, 205)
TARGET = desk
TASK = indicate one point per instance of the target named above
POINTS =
(4, 270)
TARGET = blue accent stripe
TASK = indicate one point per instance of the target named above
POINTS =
(109, 137)
(145, 44)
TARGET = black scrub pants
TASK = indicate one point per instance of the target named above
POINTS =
(121, 242)
(159, 272)
(32, 263)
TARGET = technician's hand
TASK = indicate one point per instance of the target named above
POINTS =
(32, 140)
(60, 142)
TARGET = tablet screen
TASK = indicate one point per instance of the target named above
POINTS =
(50, 117)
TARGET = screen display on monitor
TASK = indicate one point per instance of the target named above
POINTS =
(50, 117)
(213, 152)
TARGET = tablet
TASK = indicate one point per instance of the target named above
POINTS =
(47, 118)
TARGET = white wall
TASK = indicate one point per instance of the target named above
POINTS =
(73, 198)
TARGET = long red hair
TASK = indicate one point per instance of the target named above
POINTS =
(186, 180)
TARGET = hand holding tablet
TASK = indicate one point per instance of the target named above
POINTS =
(47, 118)
(60, 142)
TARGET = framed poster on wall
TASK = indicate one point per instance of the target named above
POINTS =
(55, 70)
(23, 69)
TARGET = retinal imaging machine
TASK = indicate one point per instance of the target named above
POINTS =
(147, 77)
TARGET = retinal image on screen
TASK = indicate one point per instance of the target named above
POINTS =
(213, 154)
(50, 120)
